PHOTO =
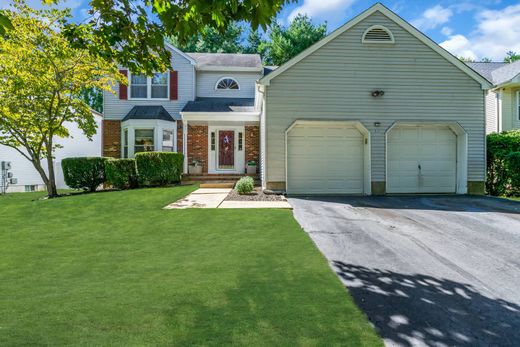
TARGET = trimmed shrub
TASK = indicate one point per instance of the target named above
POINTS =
(85, 173)
(245, 185)
(121, 173)
(513, 172)
(499, 147)
(159, 168)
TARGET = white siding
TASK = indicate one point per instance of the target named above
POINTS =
(510, 109)
(206, 81)
(335, 82)
(76, 146)
(116, 109)
(491, 112)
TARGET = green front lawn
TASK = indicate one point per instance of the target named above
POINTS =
(115, 269)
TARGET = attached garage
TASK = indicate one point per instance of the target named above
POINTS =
(327, 158)
(423, 158)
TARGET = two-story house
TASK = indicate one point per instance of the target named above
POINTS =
(376, 107)
(204, 108)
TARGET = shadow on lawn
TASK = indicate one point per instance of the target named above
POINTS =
(417, 309)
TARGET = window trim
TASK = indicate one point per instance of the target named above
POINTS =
(149, 87)
(381, 27)
(224, 78)
(518, 104)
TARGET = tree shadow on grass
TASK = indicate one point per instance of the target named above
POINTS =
(264, 311)
(416, 309)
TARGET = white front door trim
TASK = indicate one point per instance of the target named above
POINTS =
(239, 155)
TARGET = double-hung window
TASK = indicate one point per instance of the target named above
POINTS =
(144, 141)
(167, 143)
(144, 87)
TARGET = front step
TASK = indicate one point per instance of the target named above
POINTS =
(217, 185)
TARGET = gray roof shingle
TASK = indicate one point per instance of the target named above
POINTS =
(485, 69)
(206, 60)
(150, 112)
(220, 105)
(506, 72)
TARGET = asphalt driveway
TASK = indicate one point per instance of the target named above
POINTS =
(436, 271)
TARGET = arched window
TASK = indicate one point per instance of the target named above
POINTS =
(227, 83)
(378, 34)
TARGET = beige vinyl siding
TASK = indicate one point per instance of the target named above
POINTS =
(510, 109)
(491, 112)
(335, 83)
(206, 81)
(116, 109)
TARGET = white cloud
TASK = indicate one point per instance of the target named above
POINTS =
(446, 31)
(460, 46)
(497, 32)
(433, 17)
(325, 9)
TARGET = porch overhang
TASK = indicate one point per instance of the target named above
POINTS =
(226, 117)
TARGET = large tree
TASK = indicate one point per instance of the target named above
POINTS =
(42, 80)
(211, 40)
(286, 42)
(132, 32)
(511, 57)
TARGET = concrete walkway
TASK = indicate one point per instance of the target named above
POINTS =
(214, 198)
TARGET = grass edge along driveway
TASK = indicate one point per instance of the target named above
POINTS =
(115, 269)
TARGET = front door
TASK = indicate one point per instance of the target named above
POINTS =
(226, 149)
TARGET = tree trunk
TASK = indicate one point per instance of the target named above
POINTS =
(52, 191)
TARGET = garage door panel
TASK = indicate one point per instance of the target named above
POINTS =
(325, 160)
(421, 159)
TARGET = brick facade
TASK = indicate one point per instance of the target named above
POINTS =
(111, 135)
(198, 145)
(179, 137)
(252, 143)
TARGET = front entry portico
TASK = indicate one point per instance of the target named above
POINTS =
(219, 135)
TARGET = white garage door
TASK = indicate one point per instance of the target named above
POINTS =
(421, 159)
(325, 159)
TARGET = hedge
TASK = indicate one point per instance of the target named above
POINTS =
(502, 163)
(159, 168)
(85, 173)
(121, 173)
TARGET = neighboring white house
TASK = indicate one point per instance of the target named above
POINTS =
(503, 101)
(77, 145)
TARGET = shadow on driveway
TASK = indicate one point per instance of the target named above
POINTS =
(456, 203)
(415, 309)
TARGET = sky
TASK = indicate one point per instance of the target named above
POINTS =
(473, 29)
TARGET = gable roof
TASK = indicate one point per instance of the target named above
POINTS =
(149, 112)
(485, 69)
(507, 73)
(227, 62)
(399, 21)
(498, 73)
(181, 53)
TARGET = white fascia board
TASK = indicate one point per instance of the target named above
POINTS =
(221, 116)
(175, 49)
(485, 84)
(229, 68)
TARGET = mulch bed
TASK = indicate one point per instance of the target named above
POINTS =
(256, 195)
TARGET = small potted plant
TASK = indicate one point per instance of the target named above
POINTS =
(251, 167)
(195, 167)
